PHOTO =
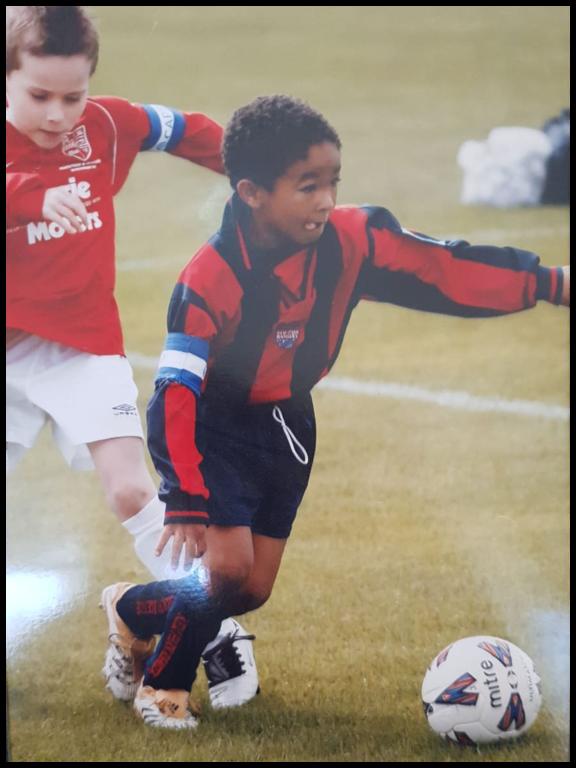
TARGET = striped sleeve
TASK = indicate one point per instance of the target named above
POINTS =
(451, 277)
(172, 428)
(203, 311)
(171, 418)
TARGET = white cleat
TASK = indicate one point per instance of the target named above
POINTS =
(164, 709)
(127, 654)
(230, 667)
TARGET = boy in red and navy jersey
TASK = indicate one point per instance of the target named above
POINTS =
(67, 156)
(256, 320)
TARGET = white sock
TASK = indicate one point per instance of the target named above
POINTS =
(146, 527)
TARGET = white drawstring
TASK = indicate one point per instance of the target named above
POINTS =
(290, 436)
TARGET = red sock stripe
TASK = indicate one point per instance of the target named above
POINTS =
(153, 607)
(170, 642)
(179, 513)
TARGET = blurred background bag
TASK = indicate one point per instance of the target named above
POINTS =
(557, 183)
(518, 166)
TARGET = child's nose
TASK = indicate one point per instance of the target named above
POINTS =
(326, 200)
(55, 113)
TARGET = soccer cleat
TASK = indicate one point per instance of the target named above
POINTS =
(164, 709)
(230, 667)
(127, 654)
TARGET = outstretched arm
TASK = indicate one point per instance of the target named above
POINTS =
(157, 128)
(453, 277)
(190, 135)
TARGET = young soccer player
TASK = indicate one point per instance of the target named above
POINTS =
(67, 156)
(256, 320)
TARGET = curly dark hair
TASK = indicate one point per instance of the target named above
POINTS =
(49, 30)
(268, 135)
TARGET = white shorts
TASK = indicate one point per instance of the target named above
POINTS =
(86, 397)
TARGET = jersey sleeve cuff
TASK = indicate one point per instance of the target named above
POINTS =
(549, 284)
(185, 508)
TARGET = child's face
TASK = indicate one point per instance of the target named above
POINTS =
(297, 209)
(47, 96)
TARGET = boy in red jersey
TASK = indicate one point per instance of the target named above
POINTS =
(67, 156)
(256, 320)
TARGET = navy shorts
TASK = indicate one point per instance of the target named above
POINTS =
(249, 466)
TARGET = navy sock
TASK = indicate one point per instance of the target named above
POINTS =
(144, 608)
(186, 616)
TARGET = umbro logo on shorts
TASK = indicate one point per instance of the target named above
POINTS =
(124, 410)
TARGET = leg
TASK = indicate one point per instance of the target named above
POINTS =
(242, 569)
(129, 649)
(131, 494)
(266, 558)
(229, 660)
(188, 613)
(122, 470)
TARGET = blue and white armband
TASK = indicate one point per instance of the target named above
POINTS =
(167, 127)
(184, 360)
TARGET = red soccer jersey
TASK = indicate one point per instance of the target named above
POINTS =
(61, 286)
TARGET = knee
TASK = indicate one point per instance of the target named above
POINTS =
(127, 497)
(229, 577)
(250, 597)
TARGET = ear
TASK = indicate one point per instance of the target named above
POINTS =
(250, 193)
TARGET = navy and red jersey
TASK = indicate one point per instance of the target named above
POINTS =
(248, 327)
(61, 286)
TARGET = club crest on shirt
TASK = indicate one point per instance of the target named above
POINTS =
(76, 144)
(286, 336)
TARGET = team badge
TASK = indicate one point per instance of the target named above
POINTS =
(286, 336)
(76, 144)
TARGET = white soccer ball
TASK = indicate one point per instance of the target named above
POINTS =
(481, 690)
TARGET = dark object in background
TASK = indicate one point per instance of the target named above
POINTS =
(557, 182)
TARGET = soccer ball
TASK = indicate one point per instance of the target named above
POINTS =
(481, 690)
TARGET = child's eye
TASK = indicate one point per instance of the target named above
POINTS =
(336, 181)
(38, 96)
(308, 188)
(72, 99)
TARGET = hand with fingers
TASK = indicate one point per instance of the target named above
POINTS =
(65, 208)
(191, 537)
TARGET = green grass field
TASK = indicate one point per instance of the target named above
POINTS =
(423, 523)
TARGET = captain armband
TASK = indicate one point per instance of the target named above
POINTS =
(184, 361)
(167, 126)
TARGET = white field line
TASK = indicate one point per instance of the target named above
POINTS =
(446, 398)
(160, 262)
